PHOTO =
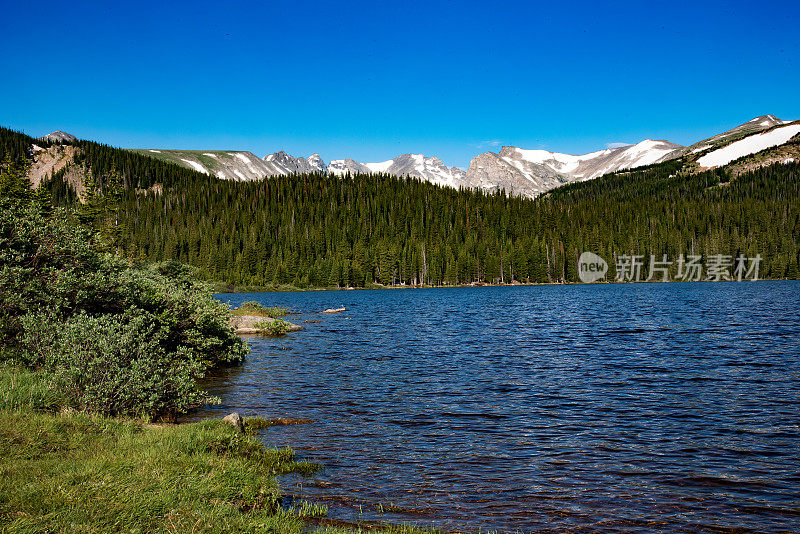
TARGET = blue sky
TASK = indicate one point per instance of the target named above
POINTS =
(374, 80)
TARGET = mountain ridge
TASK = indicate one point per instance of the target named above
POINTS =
(517, 170)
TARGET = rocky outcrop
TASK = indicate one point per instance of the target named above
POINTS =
(49, 161)
(491, 172)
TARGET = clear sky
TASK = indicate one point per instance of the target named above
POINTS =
(378, 79)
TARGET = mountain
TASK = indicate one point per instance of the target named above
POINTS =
(322, 231)
(283, 164)
(517, 170)
(59, 137)
(755, 125)
(754, 144)
(429, 169)
(237, 165)
(532, 172)
(274, 232)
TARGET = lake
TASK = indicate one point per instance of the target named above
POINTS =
(612, 407)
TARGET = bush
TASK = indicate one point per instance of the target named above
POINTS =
(122, 338)
(276, 327)
(256, 308)
(116, 364)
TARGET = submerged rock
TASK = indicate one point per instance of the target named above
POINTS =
(334, 310)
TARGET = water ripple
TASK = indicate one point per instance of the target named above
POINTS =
(612, 408)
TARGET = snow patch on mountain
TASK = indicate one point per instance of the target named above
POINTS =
(560, 163)
(429, 169)
(749, 145)
(379, 167)
(196, 166)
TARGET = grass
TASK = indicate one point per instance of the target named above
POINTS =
(66, 471)
(79, 472)
(255, 308)
(253, 424)
(22, 390)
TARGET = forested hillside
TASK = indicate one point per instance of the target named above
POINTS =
(321, 230)
(325, 231)
(132, 170)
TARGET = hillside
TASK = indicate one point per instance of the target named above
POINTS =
(317, 230)
(326, 230)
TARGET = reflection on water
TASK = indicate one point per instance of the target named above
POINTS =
(616, 408)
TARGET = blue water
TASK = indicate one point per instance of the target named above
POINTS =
(608, 408)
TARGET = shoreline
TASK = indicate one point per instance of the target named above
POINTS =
(209, 473)
(234, 290)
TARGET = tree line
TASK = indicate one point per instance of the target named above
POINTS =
(319, 230)
(316, 230)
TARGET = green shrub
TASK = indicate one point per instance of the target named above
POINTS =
(116, 364)
(255, 308)
(121, 338)
(276, 327)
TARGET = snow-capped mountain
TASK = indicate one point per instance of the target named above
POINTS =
(430, 169)
(517, 170)
(755, 125)
(239, 166)
(532, 172)
(281, 163)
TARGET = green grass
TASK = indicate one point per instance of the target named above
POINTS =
(23, 390)
(65, 471)
(82, 473)
(253, 424)
(255, 308)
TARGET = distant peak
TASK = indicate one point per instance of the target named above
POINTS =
(766, 118)
(59, 137)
